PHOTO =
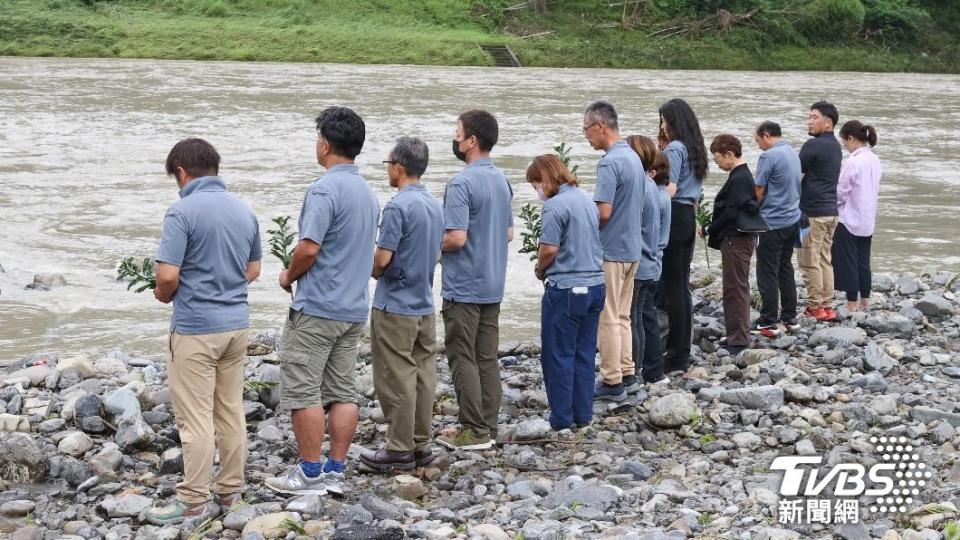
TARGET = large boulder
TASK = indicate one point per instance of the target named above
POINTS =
(75, 444)
(894, 324)
(21, 459)
(272, 525)
(767, 397)
(934, 305)
(125, 505)
(673, 410)
(838, 336)
(134, 434)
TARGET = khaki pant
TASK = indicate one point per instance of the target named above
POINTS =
(472, 337)
(205, 374)
(614, 337)
(815, 262)
(405, 376)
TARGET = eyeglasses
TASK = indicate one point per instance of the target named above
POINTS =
(587, 128)
(392, 162)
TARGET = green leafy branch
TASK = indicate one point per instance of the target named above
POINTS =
(282, 240)
(531, 216)
(704, 218)
(140, 275)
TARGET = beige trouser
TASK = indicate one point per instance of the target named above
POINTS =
(815, 262)
(614, 337)
(405, 375)
(205, 374)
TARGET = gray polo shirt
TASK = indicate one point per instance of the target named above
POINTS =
(571, 222)
(620, 182)
(477, 201)
(340, 213)
(210, 235)
(412, 228)
(681, 173)
(779, 171)
(656, 230)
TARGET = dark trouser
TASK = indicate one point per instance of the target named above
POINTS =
(736, 251)
(775, 279)
(568, 332)
(677, 257)
(647, 348)
(472, 338)
(851, 263)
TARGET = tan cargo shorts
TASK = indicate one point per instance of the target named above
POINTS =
(318, 361)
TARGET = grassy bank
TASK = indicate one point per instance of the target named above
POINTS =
(568, 33)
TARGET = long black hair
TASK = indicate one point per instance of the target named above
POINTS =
(684, 127)
(859, 131)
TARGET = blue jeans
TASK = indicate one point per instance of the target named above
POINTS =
(568, 332)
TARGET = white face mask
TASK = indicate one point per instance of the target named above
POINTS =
(540, 194)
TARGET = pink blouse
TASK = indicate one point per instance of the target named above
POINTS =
(858, 190)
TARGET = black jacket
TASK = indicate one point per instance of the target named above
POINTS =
(735, 204)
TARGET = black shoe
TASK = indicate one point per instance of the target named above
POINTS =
(388, 460)
(675, 364)
(424, 457)
(609, 392)
(630, 384)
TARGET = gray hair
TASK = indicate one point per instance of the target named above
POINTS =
(412, 153)
(602, 111)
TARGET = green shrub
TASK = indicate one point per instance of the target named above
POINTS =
(833, 20)
(894, 20)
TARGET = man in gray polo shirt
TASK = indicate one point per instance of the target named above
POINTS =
(479, 225)
(209, 252)
(619, 198)
(331, 267)
(403, 326)
(778, 188)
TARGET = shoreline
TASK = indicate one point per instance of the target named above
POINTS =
(687, 459)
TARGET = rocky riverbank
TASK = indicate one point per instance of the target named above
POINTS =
(87, 444)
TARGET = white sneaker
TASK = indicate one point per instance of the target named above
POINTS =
(333, 482)
(664, 380)
(295, 482)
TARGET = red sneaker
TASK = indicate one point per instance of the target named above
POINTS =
(828, 315)
(813, 313)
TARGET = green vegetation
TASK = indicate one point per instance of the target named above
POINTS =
(281, 240)
(866, 35)
(141, 276)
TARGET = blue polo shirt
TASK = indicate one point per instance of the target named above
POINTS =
(681, 174)
(477, 201)
(412, 228)
(779, 170)
(210, 235)
(571, 222)
(340, 213)
(656, 230)
(620, 182)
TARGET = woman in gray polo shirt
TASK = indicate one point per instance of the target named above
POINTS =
(571, 263)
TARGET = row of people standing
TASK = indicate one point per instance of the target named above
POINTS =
(811, 201)
(591, 252)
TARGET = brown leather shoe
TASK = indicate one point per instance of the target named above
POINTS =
(388, 460)
(228, 501)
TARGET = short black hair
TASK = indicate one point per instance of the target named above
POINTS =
(769, 127)
(483, 126)
(827, 109)
(195, 156)
(343, 129)
(413, 154)
(603, 111)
